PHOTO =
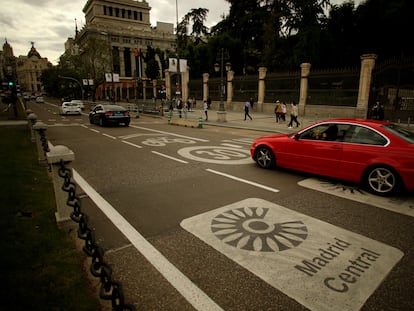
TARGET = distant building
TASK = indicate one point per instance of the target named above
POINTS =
(29, 69)
(121, 30)
(7, 62)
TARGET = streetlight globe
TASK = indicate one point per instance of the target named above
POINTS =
(228, 66)
(216, 67)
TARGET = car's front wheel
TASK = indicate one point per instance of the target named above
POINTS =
(382, 180)
(264, 157)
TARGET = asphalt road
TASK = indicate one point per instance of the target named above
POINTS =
(198, 226)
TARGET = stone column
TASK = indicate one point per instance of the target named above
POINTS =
(154, 88)
(121, 61)
(184, 85)
(205, 86)
(367, 65)
(167, 85)
(54, 157)
(31, 119)
(41, 141)
(230, 77)
(262, 88)
(304, 87)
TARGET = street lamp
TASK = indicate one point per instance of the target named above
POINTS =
(220, 68)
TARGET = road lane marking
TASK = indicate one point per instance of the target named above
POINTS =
(131, 144)
(244, 181)
(110, 136)
(194, 295)
(169, 157)
(322, 266)
(96, 131)
(168, 133)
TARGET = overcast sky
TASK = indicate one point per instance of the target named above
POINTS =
(48, 23)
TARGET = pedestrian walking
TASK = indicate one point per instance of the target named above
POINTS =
(206, 109)
(284, 111)
(246, 110)
(251, 103)
(278, 111)
(294, 112)
(179, 106)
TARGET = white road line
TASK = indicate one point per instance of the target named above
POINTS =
(243, 180)
(168, 133)
(131, 144)
(110, 136)
(84, 126)
(96, 131)
(169, 157)
(194, 295)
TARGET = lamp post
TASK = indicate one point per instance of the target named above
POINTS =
(221, 113)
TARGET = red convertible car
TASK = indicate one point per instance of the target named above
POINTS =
(377, 154)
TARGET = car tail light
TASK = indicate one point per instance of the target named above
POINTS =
(108, 113)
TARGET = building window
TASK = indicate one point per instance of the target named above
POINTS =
(140, 16)
(104, 10)
(135, 15)
(116, 12)
(129, 14)
(110, 11)
(123, 13)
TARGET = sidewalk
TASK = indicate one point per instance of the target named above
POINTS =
(261, 121)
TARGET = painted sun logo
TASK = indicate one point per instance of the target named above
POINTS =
(247, 228)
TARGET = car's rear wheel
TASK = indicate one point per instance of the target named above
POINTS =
(382, 180)
(102, 122)
(264, 157)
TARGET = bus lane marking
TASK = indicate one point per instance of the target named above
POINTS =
(322, 266)
(401, 205)
(243, 180)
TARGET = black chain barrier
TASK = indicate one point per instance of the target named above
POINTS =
(110, 289)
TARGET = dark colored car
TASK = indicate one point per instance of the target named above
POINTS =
(109, 114)
(377, 154)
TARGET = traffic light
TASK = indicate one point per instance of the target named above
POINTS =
(11, 83)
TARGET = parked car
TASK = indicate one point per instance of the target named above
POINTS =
(40, 99)
(378, 155)
(109, 114)
(79, 102)
(70, 108)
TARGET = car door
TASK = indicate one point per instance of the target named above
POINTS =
(315, 153)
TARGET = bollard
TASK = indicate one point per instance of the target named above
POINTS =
(200, 122)
(31, 120)
(169, 117)
(41, 142)
(54, 157)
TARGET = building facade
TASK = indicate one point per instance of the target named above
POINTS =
(122, 31)
(29, 70)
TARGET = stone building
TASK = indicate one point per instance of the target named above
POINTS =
(122, 31)
(29, 69)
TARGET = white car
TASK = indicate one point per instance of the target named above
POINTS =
(78, 101)
(70, 108)
(40, 99)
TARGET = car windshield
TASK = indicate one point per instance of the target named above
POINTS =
(401, 132)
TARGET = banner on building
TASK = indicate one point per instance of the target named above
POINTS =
(172, 67)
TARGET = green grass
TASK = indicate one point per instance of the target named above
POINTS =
(41, 268)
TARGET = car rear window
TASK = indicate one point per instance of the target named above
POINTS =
(401, 132)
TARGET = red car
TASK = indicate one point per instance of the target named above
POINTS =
(377, 154)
